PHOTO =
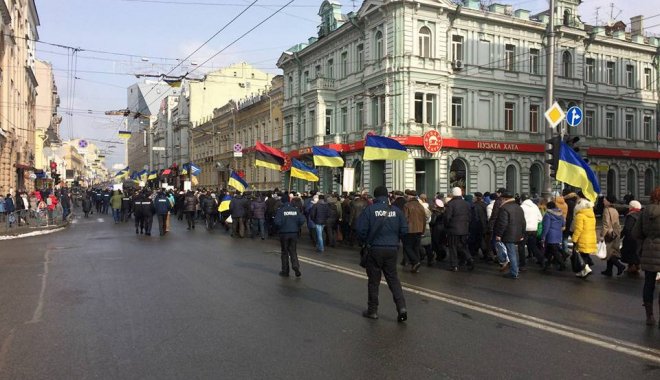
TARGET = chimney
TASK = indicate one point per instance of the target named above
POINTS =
(636, 25)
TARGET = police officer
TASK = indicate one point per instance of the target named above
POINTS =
(288, 220)
(162, 207)
(125, 207)
(148, 211)
(381, 226)
(137, 211)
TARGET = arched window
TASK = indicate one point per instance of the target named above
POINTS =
(632, 182)
(511, 179)
(567, 18)
(458, 175)
(567, 64)
(611, 182)
(649, 181)
(378, 51)
(425, 42)
(535, 179)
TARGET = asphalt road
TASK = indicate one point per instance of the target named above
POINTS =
(98, 302)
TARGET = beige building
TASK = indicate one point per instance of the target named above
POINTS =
(18, 91)
(47, 121)
(252, 118)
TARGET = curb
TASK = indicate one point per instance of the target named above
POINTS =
(35, 232)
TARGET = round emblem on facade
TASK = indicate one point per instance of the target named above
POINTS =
(287, 164)
(432, 141)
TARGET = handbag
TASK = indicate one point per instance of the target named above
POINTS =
(601, 253)
(577, 262)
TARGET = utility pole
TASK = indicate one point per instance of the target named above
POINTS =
(549, 95)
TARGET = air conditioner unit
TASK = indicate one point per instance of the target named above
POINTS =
(457, 65)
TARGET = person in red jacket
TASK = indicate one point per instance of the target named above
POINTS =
(51, 202)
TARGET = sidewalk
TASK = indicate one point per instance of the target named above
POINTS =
(35, 227)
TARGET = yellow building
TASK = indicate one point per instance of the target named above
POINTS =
(47, 121)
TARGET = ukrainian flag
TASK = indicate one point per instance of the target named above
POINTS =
(153, 175)
(383, 148)
(327, 157)
(195, 170)
(300, 170)
(224, 203)
(572, 169)
(142, 175)
(237, 182)
(184, 169)
(122, 173)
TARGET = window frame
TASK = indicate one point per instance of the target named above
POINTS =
(647, 123)
(457, 53)
(630, 76)
(590, 70)
(329, 122)
(648, 81)
(629, 124)
(424, 104)
(510, 57)
(567, 64)
(330, 69)
(359, 50)
(509, 116)
(534, 60)
(344, 64)
(457, 111)
(589, 118)
(534, 112)
(610, 73)
(610, 125)
(425, 42)
(378, 46)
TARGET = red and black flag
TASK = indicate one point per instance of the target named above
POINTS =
(268, 157)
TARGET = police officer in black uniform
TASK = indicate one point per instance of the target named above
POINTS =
(288, 220)
(381, 227)
(137, 212)
(148, 211)
(126, 207)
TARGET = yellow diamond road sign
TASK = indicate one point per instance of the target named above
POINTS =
(554, 115)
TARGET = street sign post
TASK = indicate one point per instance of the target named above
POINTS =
(574, 116)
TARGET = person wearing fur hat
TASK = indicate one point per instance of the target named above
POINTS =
(631, 248)
(457, 218)
(584, 234)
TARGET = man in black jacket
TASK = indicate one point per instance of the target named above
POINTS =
(457, 218)
(162, 207)
(239, 207)
(288, 220)
(319, 215)
(509, 230)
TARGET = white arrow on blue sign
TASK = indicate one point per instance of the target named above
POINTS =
(574, 116)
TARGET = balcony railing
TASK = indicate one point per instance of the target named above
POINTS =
(322, 84)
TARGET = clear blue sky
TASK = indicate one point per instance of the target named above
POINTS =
(173, 29)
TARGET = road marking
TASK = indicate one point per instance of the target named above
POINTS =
(39, 310)
(4, 348)
(100, 220)
(584, 336)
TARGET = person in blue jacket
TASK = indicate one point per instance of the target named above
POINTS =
(551, 237)
(288, 220)
(162, 206)
(381, 227)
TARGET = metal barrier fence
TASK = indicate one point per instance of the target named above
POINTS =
(30, 219)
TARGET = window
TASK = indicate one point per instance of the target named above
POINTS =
(378, 51)
(647, 79)
(425, 42)
(630, 76)
(534, 118)
(328, 122)
(457, 112)
(509, 57)
(509, 109)
(630, 127)
(344, 64)
(534, 55)
(590, 71)
(317, 71)
(567, 64)
(649, 181)
(589, 123)
(648, 128)
(424, 106)
(359, 116)
(456, 48)
(610, 74)
(290, 87)
(360, 57)
(331, 69)
(378, 111)
(609, 125)
(343, 127)
(312, 123)
(306, 80)
(567, 18)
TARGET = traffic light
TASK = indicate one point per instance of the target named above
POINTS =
(573, 142)
(554, 145)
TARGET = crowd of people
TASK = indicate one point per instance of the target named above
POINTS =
(454, 230)
(40, 206)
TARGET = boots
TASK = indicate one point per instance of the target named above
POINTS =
(650, 321)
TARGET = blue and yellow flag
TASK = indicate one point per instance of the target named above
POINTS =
(573, 170)
(195, 170)
(237, 182)
(327, 157)
(153, 175)
(383, 148)
(224, 203)
(122, 173)
(142, 175)
(300, 170)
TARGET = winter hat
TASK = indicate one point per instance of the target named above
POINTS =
(611, 198)
(380, 191)
(456, 192)
(439, 203)
(635, 205)
(551, 205)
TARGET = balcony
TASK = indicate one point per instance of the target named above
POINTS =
(321, 84)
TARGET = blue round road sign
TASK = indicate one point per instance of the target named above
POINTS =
(574, 116)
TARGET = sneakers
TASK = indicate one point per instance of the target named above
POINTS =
(370, 314)
(415, 267)
(504, 267)
(584, 272)
(402, 316)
